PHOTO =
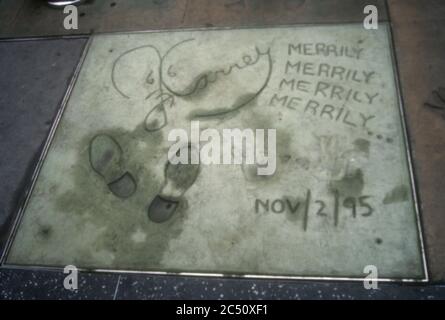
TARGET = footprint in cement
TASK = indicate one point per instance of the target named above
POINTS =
(106, 158)
(178, 179)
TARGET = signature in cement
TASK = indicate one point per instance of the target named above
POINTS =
(162, 92)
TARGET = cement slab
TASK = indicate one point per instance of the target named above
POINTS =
(341, 197)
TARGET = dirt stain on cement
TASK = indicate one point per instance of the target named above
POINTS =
(397, 194)
(120, 221)
(362, 145)
(350, 184)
